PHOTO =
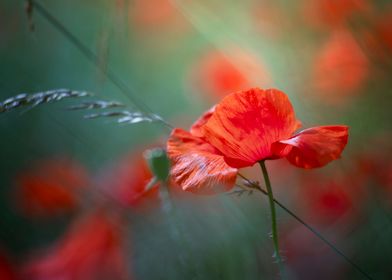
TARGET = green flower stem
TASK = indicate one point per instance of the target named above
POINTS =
(273, 212)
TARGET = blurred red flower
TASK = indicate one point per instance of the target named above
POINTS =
(155, 13)
(329, 198)
(340, 68)
(51, 187)
(7, 270)
(91, 249)
(244, 128)
(308, 258)
(270, 18)
(127, 182)
(378, 37)
(219, 73)
(374, 166)
(384, 28)
(333, 13)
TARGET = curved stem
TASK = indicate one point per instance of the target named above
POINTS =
(273, 211)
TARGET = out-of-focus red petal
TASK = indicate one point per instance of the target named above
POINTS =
(219, 73)
(270, 19)
(40, 197)
(151, 14)
(91, 249)
(314, 147)
(383, 28)
(341, 68)
(246, 123)
(333, 13)
(127, 182)
(200, 122)
(7, 269)
(332, 197)
(51, 187)
(197, 166)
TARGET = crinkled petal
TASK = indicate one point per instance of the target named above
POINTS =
(197, 166)
(245, 124)
(200, 122)
(314, 147)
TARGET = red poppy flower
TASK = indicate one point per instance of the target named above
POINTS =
(7, 269)
(328, 198)
(155, 13)
(383, 29)
(152, 12)
(247, 127)
(91, 249)
(374, 166)
(333, 13)
(51, 187)
(128, 180)
(219, 74)
(270, 19)
(254, 125)
(340, 68)
(378, 38)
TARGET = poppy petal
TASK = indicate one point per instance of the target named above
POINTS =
(200, 122)
(314, 147)
(93, 248)
(245, 124)
(197, 166)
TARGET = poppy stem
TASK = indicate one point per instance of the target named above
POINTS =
(273, 214)
(255, 185)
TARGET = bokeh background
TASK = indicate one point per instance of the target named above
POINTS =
(73, 198)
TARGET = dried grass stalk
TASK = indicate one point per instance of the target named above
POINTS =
(126, 116)
(97, 104)
(32, 100)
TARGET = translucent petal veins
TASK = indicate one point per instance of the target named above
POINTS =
(197, 166)
(245, 124)
(316, 146)
(196, 128)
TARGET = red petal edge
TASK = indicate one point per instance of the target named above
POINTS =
(313, 147)
(197, 166)
(196, 128)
